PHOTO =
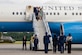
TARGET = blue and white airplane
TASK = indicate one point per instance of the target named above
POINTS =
(67, 16)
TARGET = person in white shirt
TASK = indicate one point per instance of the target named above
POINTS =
(69, 40)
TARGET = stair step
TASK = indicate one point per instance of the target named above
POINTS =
(39, 29)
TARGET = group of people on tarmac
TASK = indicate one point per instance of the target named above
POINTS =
(58, 42)
(38, 13)
(34, 42)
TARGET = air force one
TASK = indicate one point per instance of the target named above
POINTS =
(60, 18)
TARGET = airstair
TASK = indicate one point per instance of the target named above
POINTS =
(40, 27)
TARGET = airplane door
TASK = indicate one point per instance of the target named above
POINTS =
(29, 12)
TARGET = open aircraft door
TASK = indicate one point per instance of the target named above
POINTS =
(29, 13)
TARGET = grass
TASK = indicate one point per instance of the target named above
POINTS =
(20, 42)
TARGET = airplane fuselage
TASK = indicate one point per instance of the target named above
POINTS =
(12, 19)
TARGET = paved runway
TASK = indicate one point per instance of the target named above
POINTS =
(16, 49)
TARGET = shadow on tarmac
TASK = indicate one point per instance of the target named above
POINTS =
(73, 49)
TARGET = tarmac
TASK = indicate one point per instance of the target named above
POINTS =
(16, 49)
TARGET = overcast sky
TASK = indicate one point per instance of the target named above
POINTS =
(40, 1)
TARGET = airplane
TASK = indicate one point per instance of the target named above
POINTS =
(66, 18)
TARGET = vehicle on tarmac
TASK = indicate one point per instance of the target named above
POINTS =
(7, 39)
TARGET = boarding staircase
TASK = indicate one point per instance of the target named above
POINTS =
(40, 27)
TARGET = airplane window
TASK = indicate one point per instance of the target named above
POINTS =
(24, 13)
(46, 13)
(13, 13)
(80, 13)
(72, 13)
(57, 13)
(20, 13)
(76, 13)
(54, 13)
(65, 13)
(50, 13)
(17, 13)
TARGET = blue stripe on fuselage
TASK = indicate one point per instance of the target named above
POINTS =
(75, 28)
(16, 26)
(24, 26)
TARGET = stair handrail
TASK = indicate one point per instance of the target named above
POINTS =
(46, 24)
(33, 18)
(47, 28)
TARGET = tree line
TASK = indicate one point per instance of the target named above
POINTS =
(19, 35)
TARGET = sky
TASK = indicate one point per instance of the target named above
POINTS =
(40, 1)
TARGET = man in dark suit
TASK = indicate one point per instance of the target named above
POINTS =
(24, 42)
(36, 12)
(36, 43)
(46, 42)
(61, 41)
(55, 42)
